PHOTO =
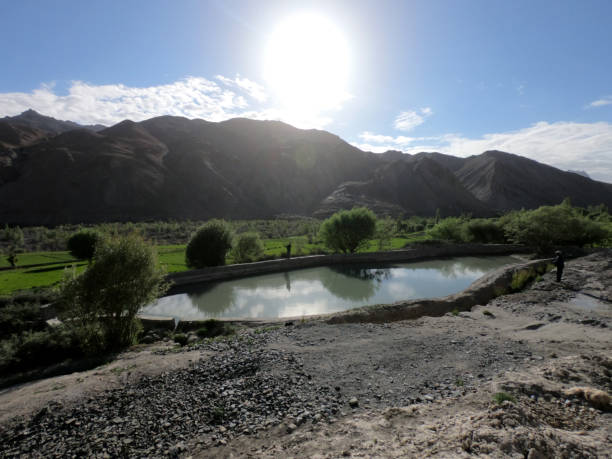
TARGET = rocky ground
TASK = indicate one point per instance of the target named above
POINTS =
(406, 389)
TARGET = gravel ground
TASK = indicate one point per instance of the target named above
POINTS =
(314, 389)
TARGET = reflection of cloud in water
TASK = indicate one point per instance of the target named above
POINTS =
(326, 289)
(401, 290)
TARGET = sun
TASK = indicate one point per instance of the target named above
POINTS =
(306, 64)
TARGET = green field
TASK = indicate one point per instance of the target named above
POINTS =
(171, 257)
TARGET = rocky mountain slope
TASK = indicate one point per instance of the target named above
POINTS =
(54, 172)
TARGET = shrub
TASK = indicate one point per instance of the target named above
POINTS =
(180, 338)
(501, 397)
(17, 318)
(101, 304)
(348, 230)
(209, 245)
(551, 226)
(449, 229)
(485, 231)
(212, 328)
(83, 244)
(248, 247)
(33, 349)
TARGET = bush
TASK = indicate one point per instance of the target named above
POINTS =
(248, 247)
(501, 397)
(180, 338)
(209, 245)
(485, 231)
(34, 349)
(17, 318)
(212, 328)
(348, 230)
(101, 304)
(83, 244)
(449, 229)
(552, 226)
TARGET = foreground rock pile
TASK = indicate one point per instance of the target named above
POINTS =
(235, 392)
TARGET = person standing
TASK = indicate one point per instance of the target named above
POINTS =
(559, 262)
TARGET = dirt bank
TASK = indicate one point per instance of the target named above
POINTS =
(404, 389)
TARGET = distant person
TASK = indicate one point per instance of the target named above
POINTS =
(288, 247)
(559, 262)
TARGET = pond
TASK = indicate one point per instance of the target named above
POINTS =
(323, 290)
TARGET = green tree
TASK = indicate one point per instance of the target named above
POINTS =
(385, 229)
(247, 247)
(484, 230)
(551, 226)
(449, 229)
(101, 304)
(348, 230)
(82, 244)
(209, 245)
(11, 256)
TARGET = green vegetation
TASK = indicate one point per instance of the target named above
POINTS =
(247, 247)
(100, 305)
(209, 245)
(180, 338)
(303, 234)
(212, 328)
(553, 226)
(501, 397)
(83, 244)
(348, 230)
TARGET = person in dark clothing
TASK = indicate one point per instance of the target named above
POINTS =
(559, 262)
(288, 247)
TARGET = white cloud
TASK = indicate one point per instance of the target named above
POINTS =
(408, 120)
(607, 100)
(191, 97)
(566, 145)
(254, 90)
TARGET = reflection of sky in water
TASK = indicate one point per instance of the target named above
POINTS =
(326, 289)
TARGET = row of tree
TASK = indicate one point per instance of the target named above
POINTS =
(542, 228)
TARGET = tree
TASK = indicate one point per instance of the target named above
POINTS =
(385, 229)
(209, 245)
(449, 229)
(82, 244)
(101, 304)
(12, 256)
(551, 226)
(348, 230)
(247, 247)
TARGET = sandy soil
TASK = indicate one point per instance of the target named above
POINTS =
(424, 387)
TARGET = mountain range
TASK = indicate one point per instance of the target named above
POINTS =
(54, 172)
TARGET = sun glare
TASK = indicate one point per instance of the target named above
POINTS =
(307, 64)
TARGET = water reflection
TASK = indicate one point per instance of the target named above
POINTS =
(353, 282)
(326, 289)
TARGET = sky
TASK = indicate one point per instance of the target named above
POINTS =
(530, 77)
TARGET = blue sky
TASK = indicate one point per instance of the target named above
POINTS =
(529, 77)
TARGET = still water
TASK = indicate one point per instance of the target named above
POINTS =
(323, 290)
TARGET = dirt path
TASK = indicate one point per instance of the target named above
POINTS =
(405, 389)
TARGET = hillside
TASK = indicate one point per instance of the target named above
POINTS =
(175, 168)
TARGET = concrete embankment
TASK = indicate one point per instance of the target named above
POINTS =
(496, 283)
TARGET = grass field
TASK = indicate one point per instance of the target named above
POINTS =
(171, 257)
